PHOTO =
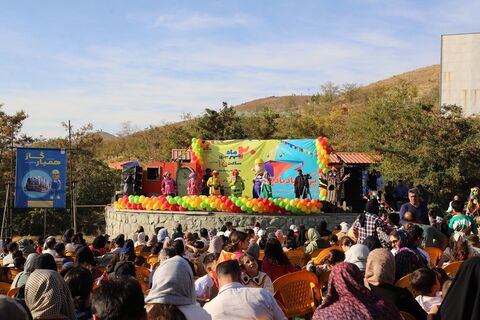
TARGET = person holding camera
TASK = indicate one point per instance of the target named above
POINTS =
(302, 188)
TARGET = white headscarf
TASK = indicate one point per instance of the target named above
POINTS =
(173, 283)
(357, 254)
(140, 239)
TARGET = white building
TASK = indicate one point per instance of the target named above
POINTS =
(460, 71)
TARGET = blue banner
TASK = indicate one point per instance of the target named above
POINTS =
(40, 178)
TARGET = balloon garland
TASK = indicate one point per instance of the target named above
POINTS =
(323, 159)
(198, 153)
(219, 203)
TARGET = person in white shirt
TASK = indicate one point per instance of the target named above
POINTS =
(425, 282)
(234, 301)
(205, 287)
(49, 245)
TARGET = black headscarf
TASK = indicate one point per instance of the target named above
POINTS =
(463, 297)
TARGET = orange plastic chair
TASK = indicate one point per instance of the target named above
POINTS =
(70, 254)
(297, 257)
(12, 292)
(299, 293)
(155, 266)
(435, 255)
(324, 254)
(152, 259)
(4, 287)
(12, 273)
(452, 268)
(315, 253)
(261, 255)
(143, 275)
(138, 249)
(225, 256)
(404, 282)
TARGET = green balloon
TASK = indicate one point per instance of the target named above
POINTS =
(243, 208)
(288, 207)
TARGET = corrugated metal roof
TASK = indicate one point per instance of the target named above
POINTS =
(351, 158)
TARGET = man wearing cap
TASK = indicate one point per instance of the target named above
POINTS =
(236, 184)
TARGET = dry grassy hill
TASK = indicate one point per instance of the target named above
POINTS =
(426, 79)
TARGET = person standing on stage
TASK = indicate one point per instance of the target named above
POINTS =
(301, 186)
(206, 176)
(168, 185)
(192, 187)
(214, 184)
(266, 189)
(237, 185)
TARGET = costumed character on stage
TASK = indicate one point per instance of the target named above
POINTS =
(206, 176)
(473, 206)
(168, 185)
(215, 184)
(237, 185)
(334, 186)
(266, 188)
(257, 181)
(301, 186)
(192, 187)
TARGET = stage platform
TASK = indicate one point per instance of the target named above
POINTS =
(127, 221)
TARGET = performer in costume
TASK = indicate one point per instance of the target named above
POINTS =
(192, 187)
(257, 181)
(266, 188)
(473, 206)
(168, 185)
(237, 184)
(302, 189)
(334, 186)
(214, 184)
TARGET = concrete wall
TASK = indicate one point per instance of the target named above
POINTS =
(126, 222)
(460, 71)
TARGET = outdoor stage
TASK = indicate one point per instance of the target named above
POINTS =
(127, 221)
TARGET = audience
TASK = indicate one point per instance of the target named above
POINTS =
(80, 283)
(173, 292)
(425, 282)
(234, 301)
(12, 310)
(276, 263)
(251, 276)
(348, 298)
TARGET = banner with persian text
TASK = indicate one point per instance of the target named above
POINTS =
(40, 178)
(281, 158)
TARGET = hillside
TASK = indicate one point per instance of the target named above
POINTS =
(426, 79)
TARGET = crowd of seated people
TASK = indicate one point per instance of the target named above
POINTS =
(375, 268)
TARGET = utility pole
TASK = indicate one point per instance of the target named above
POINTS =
(72, 183)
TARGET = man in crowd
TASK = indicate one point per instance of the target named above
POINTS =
(432, 237)
(415, 206)
(234, 301)
(301, 186)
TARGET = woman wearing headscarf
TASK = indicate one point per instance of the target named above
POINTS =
(28, 268)
(314, 241)
(408, 258)
(11, 309)
(380, 277)
(173, 292)
(140, 239)
(162, 234)
(216, 242)
(348, 298)
(463, 298)
(357, 254)
(48, 297)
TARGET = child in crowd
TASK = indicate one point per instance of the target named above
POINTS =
(425, 282)
(251, 276)
(205, 287)
(334, 257)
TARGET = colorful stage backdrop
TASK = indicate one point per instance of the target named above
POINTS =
(40, 178)
(281, 157)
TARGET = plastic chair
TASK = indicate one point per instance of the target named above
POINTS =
(324, 254)
(406, 315)
(152, 259)
(138, 249)
(299, 293)
(315, 253)
(12, 292)
(435, 255)
(452, 268)
(143, 275)
(225, 256)
(404, 282)
(297, 257)
(12, 273)
(4, 287)
(261, 255)
(70, 254)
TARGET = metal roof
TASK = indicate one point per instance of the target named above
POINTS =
(351, 158)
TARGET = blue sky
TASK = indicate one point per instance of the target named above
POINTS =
(147, 62)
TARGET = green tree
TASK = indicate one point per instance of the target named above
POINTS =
(223, 124)
(261, 125)
(419, 144)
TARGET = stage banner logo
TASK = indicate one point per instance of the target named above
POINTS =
(40, 178)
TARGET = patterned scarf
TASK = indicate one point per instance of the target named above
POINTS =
(348, 298)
